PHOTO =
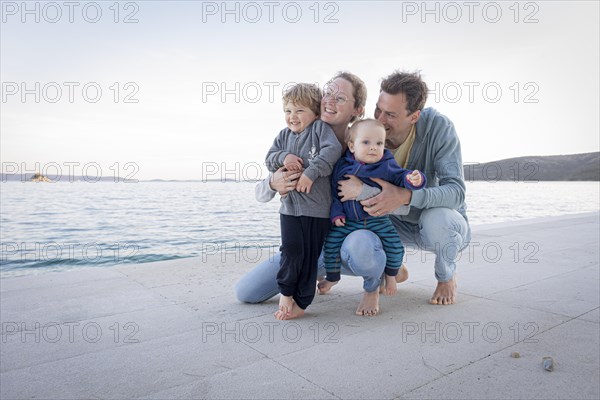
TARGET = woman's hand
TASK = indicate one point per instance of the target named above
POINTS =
(390, 198)
(284, 181)
(350, 188)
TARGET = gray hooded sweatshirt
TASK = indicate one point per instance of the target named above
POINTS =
(319, 149)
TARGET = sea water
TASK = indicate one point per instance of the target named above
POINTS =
(61, 225)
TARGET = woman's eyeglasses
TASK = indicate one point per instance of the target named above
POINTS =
(339, 99)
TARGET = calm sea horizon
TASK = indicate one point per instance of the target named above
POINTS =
(58, 226)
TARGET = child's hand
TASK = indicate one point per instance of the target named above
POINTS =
(340, 221)
(304, 184)
(415, 178)
(292, 162)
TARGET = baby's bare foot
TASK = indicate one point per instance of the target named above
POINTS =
(401, 277)
(369, 305)
(325, 286)
(390, 285)
(445, 293)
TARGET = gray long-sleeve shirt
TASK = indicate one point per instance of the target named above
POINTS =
(319, 149)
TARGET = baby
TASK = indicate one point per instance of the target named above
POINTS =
(366, 158)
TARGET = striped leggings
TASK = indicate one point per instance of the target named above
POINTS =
(381, 226)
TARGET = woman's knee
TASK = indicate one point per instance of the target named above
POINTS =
(362, 253)
(243, 292)
(260, 283)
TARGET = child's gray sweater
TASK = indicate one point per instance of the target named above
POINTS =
(319, 149)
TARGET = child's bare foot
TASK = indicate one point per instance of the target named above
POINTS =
(369, 305)
(325, 286)
(401, 277)
(402, 274)
(390, 285)
(445, 293)
(285, 307)
(296, 312)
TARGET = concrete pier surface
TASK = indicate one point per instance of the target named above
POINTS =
(175, 330)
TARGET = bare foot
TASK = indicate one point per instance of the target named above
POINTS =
(369, 305)
(445, 293)
(290, 310)
(285, 307)
(402, 274)
(325, 286)
(390, 285)
(296, 312)
(401, 277)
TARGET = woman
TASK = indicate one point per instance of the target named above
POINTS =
(343, 103)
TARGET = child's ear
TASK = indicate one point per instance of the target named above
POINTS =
(351, 147)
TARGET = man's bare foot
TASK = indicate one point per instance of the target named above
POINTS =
(296, 312)
(369, 305)
(390, 285)
(445, 293)
(285, 307)
(325, 286)
(402, 274)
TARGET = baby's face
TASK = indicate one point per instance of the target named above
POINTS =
(298, 117)
(368, 145)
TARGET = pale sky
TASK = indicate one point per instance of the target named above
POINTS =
(516, 78)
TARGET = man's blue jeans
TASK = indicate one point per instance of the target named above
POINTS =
(440, 230)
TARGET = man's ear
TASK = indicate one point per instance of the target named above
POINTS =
(415, 117)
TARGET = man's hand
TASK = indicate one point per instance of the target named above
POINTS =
(284, 181)
(350, 188)
(292, 162)
(390, 198)
(304, 184)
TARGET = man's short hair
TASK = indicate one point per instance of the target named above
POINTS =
(408, 83)
(305, 94)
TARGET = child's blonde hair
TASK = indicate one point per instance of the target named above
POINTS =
(351, 135)
(305, 94)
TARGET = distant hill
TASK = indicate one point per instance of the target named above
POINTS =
(570, 167)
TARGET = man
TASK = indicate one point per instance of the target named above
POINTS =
(425, 140)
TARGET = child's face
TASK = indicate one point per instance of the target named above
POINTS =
(368, 145)
(298, 117)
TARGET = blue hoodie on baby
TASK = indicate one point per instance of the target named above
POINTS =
(387, 169)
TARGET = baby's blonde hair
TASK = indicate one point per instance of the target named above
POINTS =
(369, 123)
(305, 94)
